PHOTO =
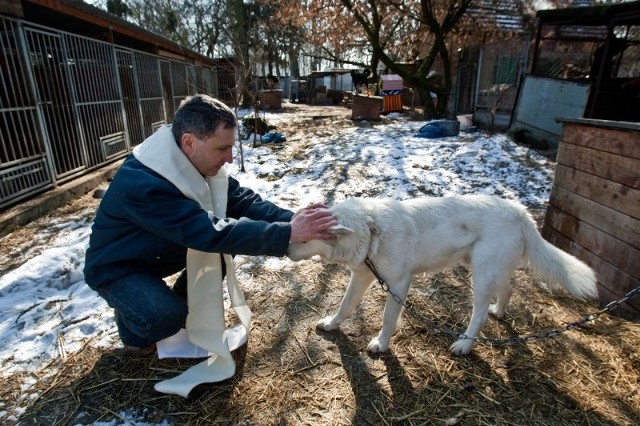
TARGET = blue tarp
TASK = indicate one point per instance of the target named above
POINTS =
(273, 137)
(439, 128)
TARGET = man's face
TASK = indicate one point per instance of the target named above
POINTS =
(210, 154)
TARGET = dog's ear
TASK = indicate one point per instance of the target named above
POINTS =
(339, 230)
(375, 238)
(374, 228)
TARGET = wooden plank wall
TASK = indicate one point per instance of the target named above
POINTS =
(366, 107)
(12, 7)
(271, 99)
(594, 207)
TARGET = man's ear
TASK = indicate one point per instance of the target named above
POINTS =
(339, 230)
(186, 142)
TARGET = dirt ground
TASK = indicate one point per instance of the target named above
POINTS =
(292, 374)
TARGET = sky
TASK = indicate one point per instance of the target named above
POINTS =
(47, 311)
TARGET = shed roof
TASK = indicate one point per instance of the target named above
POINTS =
(332, 71)
(80, 18)
(603, 14)
(503, 15)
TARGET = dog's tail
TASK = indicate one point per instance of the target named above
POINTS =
(556, 266)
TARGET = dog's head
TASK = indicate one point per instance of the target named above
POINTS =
(354, 238)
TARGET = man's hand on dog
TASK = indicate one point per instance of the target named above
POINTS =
(312, 223)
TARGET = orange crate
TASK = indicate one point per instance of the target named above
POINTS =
(391, 103)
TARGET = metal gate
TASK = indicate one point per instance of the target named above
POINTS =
(49, 65)
(97, 99)
(130, 96)
(23, 160)
(501, 68)
(152, 109)
(179, 83)
(167, 87)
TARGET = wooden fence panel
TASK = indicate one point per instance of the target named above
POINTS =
(594, 207)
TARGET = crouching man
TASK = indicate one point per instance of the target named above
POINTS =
(172, 195)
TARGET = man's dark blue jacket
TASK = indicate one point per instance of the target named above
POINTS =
(144, 223)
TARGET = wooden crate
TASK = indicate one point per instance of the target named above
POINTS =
(366, 107)
(594, 207)
(271, 99)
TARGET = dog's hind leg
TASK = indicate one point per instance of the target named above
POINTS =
(504, 295)
(482, 295)
(391, 316)
(359, 283)
(490, 277)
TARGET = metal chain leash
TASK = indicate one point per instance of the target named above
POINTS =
(510, 340)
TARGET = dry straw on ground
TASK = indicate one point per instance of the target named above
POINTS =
(291, 374)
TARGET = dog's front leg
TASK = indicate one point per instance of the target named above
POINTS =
(360, 281)
(391, 316)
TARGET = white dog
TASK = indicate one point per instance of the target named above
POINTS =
(402, 238)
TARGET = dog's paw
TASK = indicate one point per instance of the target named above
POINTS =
(461, 347)
(328, 324)
(376, 346)
(493, 310)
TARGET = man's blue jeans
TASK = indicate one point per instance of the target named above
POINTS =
(146, 308)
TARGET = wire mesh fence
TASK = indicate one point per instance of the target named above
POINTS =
(70, 104)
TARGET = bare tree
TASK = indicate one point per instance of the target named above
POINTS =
(392, 32)
(416, 39)
(413, 38)
(196, 24)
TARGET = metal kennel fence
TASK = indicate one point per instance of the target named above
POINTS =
(502, 64)
(71, 104)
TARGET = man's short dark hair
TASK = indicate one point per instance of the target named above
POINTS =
(201, 115)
